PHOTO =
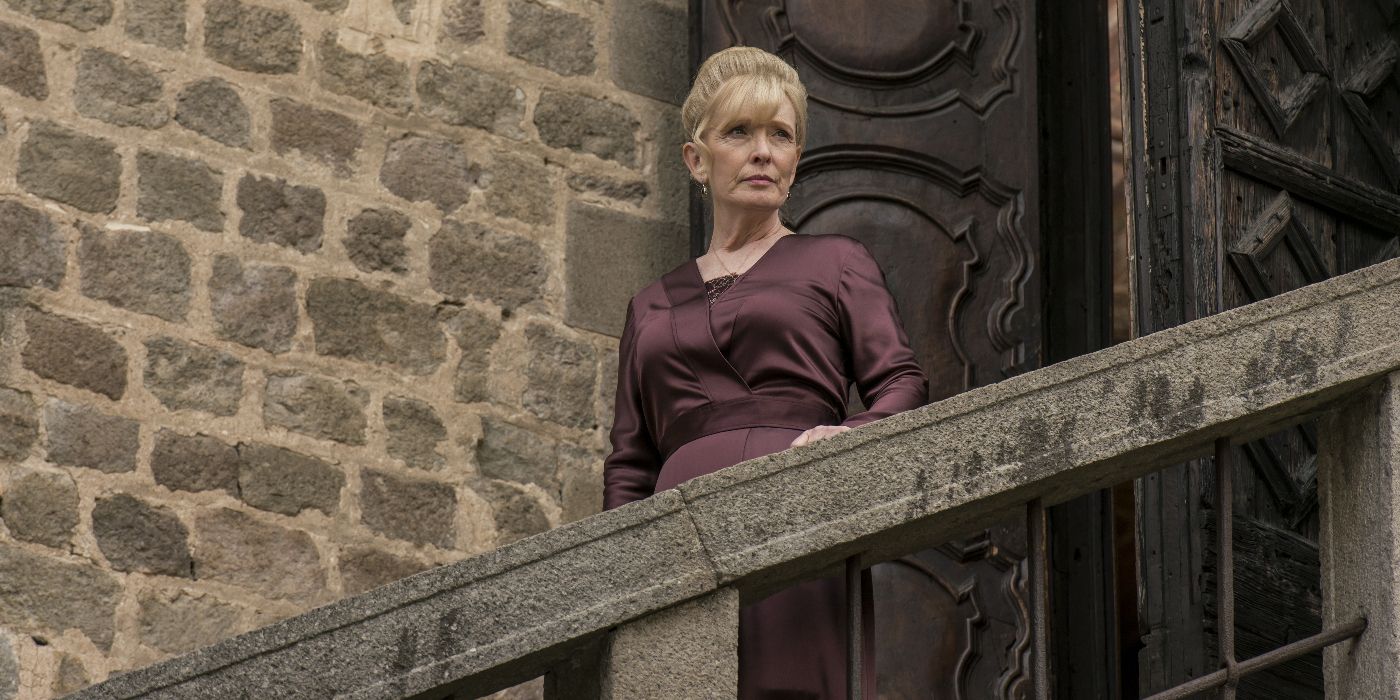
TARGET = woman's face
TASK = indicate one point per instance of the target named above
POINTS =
(751, 164)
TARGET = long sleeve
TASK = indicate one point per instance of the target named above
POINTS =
(630, 471)
(878, 356)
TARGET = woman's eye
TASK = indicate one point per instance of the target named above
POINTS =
(782, 135)
(738, 131)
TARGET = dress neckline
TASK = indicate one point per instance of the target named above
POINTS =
(695, 265)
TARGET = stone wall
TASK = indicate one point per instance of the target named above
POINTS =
(301, 296)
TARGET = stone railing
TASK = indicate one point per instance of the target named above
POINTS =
(661, 580)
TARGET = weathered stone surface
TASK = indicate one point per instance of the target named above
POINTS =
(633, 192)
(403, 9)
(81, 436)
(475, 332)
(41, 507)
(84, 15)
(463, 21)
(282, 481)
(374, 240)
(559, 377)
(43, 593)
(137, 536)
(318, 134)
(415, 510)
(70, 677)
(518, 513)
(689, 651)
(599, 284)
(581, 478)
(177, 622)
(374, 78)
(316, 406)
(9, 669)
(74, 353)
(22, 62)
(194, 463)
(184, 376)
(551, 38)
(328, 5)
(157, 22)
(414, 432)
(513, 453)
(213, 108)
(465, 96)
(140, 271)
(251, 37)
(605, 129)
(68, 167)
(468, 259)
(425, 169)
(365, 568)
(645, 34)
(520, 188)
(171, 187)
(277, 212)
(19, 424)
(354, 321)
(255, 305)
(288, 564)
(119, 91)
(33, 254)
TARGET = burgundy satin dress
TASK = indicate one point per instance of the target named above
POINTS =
(702, 387)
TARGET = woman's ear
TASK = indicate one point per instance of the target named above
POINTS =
(693, 162)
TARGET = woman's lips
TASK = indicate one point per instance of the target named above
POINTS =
(759, 179)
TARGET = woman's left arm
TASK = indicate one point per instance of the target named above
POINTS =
(882, 365)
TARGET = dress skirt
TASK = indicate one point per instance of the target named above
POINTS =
(792, 644)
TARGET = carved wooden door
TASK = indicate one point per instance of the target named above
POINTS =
(1269, 162)
(924, 146)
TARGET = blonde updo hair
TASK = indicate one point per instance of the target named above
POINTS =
(742, 82)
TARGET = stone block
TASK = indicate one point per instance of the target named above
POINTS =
(66, 166)
(226, 542)
(49, 594)
(281, 481)
(70, 677)
(560, 376)
(194, 463)
(137, 536)
(551, 38)
(513, 453)
(647, 57)
(119, 91)
(517, 512)
(157, 22)
(34, 252)
(22, 62)
(211, 107)
(320, 135)
(415, 510)
(82, 436)
(475, 332)
(599, 284)
(464, 96)
(74, 353)
(9, 669)
(581, 484)
(374, 240)
(577, 122)
(468, 259)
(633, 192)
(251, 37)
(463, 21)
(255, 305)
(185, 189)
(366, 568)
(140, 271)
(316, 406)
(83, 15)
(41, 507)
(520, 188)
(328, 5)
(277, 212)
(19, 424)
(357, 322)
(178, 622)
(413, 432)
(374, 78)
(426, 169)
(184, 376)
(689, 651)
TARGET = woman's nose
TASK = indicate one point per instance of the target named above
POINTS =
(761, 149)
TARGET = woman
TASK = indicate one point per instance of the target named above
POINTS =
(751, 348)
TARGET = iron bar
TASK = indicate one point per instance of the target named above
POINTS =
(1266, 660)
(1040, 598)
(854, 634)
(1225, 565)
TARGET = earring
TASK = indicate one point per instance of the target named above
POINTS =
(704, 190)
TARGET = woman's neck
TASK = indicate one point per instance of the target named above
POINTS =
(735, 229)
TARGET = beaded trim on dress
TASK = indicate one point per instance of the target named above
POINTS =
(719, 285)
